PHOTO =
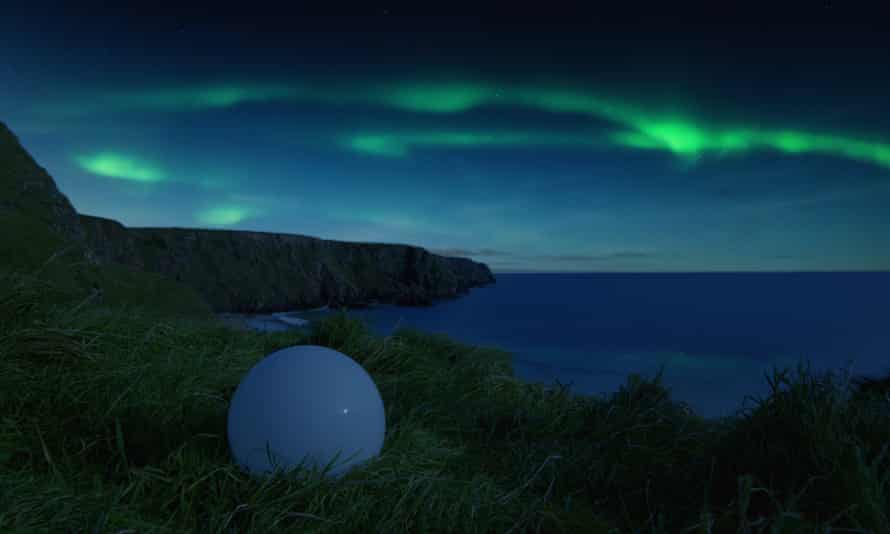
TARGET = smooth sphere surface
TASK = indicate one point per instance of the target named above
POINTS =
(305, 402)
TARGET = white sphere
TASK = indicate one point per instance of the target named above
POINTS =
(305, 402)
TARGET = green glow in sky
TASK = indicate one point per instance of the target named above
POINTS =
(222, 215)
(643, 129)
(399, 144)
(639, 126)
(687, 139)
(116, 165)
(173, 98)
(436, 98)
(202, 97)
(378, 145)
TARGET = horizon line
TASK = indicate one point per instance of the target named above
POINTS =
(700, 272)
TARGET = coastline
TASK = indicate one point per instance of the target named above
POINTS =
(269, 322)
(263, 322)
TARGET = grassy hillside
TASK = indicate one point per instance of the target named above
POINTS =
(40, 230)
(114, 419)
(32, 247)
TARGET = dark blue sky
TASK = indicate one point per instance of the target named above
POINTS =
(694, 139)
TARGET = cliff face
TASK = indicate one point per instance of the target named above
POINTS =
(254, 272)
(233, 271)
(41, 235)
(30, 203)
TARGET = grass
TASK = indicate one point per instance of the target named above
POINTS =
(113, 419)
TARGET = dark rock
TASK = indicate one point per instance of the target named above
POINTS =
(361, 305)
(233, 271)
(258, 272)
(414, 295)
(29, 196)
(110, 241)
(43, 236)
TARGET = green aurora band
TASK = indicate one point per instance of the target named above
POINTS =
(116, 165)
(222, 215)
(640, 128)
(398, 144)
(682, 136)
(435, 98)
(197, 98)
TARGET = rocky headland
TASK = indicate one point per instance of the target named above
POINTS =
(232, 271)
(253, 272)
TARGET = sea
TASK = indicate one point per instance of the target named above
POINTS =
(718, 335)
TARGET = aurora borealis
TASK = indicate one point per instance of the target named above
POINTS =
(551, 144)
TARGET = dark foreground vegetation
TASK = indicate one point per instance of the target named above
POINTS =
(113, 419)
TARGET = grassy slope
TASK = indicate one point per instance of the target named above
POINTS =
(32, 247)
(27, 244)
(114, 418)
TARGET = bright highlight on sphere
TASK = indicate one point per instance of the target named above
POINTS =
(305, 402)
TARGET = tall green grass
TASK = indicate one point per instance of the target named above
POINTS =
(113, 419)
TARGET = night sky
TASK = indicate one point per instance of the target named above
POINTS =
(684, 140)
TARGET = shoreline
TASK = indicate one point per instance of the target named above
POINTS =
(269, 322)
(262, 322)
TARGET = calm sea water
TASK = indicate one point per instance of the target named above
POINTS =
(716, 333)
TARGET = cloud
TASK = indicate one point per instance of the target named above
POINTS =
(492, 252)
(505, 259)
(623, 255)
(618, 260)
(464, 252)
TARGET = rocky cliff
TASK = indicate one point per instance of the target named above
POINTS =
(32, 207)
(233, 271)
(253, 272)
(42, 237)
